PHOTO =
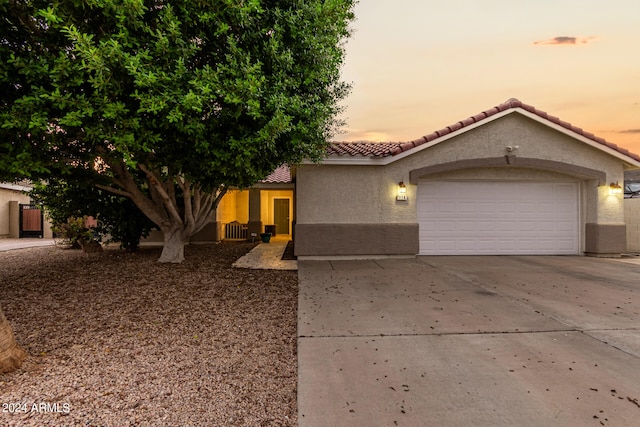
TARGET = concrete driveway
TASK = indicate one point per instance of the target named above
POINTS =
(461, 341)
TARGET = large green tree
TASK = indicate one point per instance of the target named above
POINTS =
(172, 101)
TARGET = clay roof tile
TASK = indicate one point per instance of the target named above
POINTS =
(282, 175)
(393, 148)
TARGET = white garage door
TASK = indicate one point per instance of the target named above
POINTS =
(498, 218)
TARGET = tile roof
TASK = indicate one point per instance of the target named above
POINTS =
(391, 149)
(282, 175)
(376, 149)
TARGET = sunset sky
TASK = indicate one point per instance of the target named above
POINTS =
(420, 65)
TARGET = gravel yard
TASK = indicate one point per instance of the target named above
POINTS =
(116, 339)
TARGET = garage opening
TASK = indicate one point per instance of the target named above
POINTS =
(498, 218)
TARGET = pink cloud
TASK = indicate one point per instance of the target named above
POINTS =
(565, 40)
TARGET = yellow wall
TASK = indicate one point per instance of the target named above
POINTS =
(266, 204)
(234, 206)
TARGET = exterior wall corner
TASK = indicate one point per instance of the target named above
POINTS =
(605, 240)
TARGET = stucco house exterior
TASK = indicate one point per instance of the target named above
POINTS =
(632, 214)
(245, 213)
(510, 180)
(267, 207)
(17, 217)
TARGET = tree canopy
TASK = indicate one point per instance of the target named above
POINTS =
(172, 102)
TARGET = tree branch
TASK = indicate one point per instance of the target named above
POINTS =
(188, 202)
(168, 203)
(209, 204)
(220, 195)
(123, 177)
(114, 190)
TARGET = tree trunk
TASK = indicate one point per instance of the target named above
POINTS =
(173, 249)
(11, 355)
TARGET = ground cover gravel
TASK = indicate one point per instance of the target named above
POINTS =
(116, 339)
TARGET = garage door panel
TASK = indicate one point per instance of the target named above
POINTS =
(468, 208)
(492, 218)
(466, 226)
(525, 226)
(566, 227)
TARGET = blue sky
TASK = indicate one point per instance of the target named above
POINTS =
(417, 66)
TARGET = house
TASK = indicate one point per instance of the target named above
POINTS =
(510, 180)
(245, 213)
(18, 217)
(267, 207)
(632, 210)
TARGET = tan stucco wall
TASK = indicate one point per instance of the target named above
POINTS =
(7, 196)
(534, 141)
(632, 219)
(353, 194)
(366, 194)
(10, 214)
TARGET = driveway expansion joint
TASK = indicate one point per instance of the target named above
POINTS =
(443, 334)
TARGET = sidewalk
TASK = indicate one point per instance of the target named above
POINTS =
(11, 244)
(267, 256)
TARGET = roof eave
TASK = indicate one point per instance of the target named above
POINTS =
(630, 162)
(336, 159)
(15, 187)
(602, 147)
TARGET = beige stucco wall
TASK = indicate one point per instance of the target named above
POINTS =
(632, 219)
(351, 194)
(7, 196)
(10, 214)
(366, 194)
(363, 195)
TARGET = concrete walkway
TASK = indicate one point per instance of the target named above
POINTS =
(267, 256)
(461, 341)
(10, 244)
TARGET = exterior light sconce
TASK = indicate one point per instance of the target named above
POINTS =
(402, 192)
(615, 189)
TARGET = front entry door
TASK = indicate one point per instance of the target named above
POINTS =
(281, 215)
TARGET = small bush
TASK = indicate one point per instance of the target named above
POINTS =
(75, 232)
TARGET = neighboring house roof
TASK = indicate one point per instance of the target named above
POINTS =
(19, 186)
(282, 175)
(380, 150)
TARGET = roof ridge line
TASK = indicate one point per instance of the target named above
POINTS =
(511, 104)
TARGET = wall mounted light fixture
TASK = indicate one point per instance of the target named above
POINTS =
(615, 189)
(402, 191)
